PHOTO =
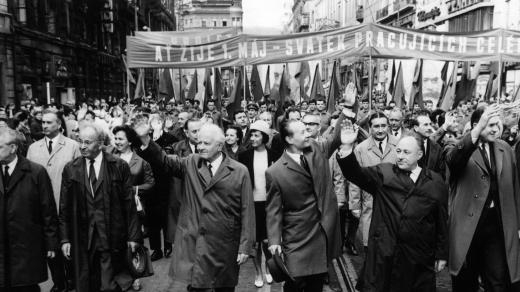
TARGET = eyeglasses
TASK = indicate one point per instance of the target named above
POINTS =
(311, 124)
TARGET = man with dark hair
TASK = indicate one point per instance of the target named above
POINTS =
(278, 145)
(484, 225)
(302, 210)
(54, 151)
(242, 121)
(378, 148)
(312, 106)
(408, 236)
(433, 158)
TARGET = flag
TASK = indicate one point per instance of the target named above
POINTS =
(235, 99)
(416, 93)
(398, 94)
(303, 76)
(490, 87)
(193, 86)
(248, 90)
(183, 84)
(139, 87)
(334, 92)
(218, 89)
(463, 85)
(166, 84)
(391, 87)
(475, 72)
(444, 78)
(317, 86)
(267, 88)
(283, 93)
(256, 84)
(208, 88)
(130, 77)
(357, 79)
(449, 94)
(517, 93)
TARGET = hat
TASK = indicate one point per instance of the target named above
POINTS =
(278, 269)
(261, 126)
(252, 105)
(138, 262)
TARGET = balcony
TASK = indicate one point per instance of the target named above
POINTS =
(394, 8)
(382, 12)
(456, 5)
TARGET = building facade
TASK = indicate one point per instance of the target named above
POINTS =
(68, 51)
(209, 14)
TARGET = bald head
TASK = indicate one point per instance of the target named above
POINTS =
(409, 151)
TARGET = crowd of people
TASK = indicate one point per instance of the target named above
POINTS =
(211, 186)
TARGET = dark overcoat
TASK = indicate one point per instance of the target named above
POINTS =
(32, 223)
(216, 220)
(409, 228)
(301, 208)
(469, 188)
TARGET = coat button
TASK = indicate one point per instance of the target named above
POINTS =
(470, 214)
(475, 196)
(483, 177)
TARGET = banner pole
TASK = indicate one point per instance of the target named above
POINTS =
(181, 94)
(244, 80)
(499, 94)
(370, 81)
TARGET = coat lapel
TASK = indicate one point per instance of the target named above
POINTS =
(291, 164)
(56, 148)
(374, 148)
(477, 157)
(19, 170)
(222, 172)
(499, 156)
(133, 160)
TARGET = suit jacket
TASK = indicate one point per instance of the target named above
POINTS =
(409, 223)
(216, 220)
(114, 183)
(63, 152)
(302, 207)
(433, 159)
(469, 189)
(247, 158)
(32, 223)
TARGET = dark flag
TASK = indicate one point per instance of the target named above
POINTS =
(491, 87)
(283, 93)
(416, 93)
(208, 88)
(391, 87)
(334, 92)
(444, 78)
(248, 90)
(237, 94)
(463, 85)
(193, 86)
(302, 76)
(267, 88)
(256, 84)
(398, 95)
(317, 86)
(218, 89)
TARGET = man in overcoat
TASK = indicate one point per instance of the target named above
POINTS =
(433, 158)
(378, 148)
(408, 236)
(216, 227)
(98, 217)
(28, 219)
(54, 151)
(302, 209)
(485, 207)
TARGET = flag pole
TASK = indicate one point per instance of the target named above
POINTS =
(499, 94)
(370, 81)
(244, 80)
(181, 94)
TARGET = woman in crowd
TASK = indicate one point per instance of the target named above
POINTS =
(257, 159)
(233, 140)
(141, 173)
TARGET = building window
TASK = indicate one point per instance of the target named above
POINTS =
(203, 23)
(3, 6)
(224, 22)
(21, 13)
(214, 23)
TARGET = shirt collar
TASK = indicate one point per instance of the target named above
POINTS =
(416, 171)
(12, 164)
(294, 156)
(216, 163)
(98, 158)
(54, 140)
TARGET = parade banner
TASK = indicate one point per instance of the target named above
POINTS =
(202, 49)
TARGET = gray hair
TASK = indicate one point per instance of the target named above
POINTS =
(14, 137)
(215, 130)
(100, 134)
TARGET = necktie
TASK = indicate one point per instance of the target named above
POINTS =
(50, 146)
(381, 146)
(92, 174)
(396, 133)
(304, 164)
(483, 150)
(6, 175)
(210, 169)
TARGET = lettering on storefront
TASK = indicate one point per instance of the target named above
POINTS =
(423, 15)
